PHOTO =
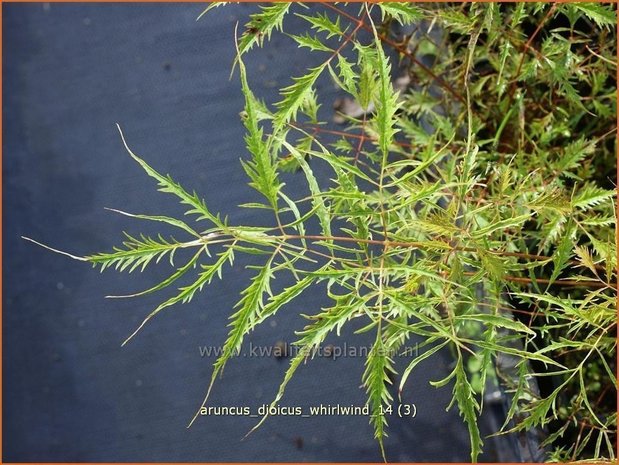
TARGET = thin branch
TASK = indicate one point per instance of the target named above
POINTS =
(514, 84)
(400, 49)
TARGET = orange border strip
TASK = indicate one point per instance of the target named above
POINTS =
(241, 1)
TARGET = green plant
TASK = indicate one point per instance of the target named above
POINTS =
(490, 234)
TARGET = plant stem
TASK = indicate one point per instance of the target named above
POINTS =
(401, 49)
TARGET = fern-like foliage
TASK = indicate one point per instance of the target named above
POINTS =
(473, 208)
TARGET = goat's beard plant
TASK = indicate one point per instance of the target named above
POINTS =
(479, 194)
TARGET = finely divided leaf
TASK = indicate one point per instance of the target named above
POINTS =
(186, 293)
(321, 210)
(137, 253)
(261, 169)
(464, 395)
(378, 367)
(261, 25)
(601, 14)
(591, 196)
(403, 12)
(386, 102)
(167, 184)
(295, 96)
(322, 23)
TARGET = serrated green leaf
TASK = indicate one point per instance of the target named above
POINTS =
(310, 42)
(137, 253)
(261, 168)
(591, 196)
(387, 100)
(166, 282)
(496, 320)
(277, 301)
(562, 253)
(378, 366)
(322, 23)
(599, 13)
(186, 293)
(464, 395)
(160, 218)
(261, 25)
(500, 226)
(294, 97)
(317, 200)
(244, 319)
(404, 13)
(167, 185)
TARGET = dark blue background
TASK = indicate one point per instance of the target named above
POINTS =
(71, 393)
